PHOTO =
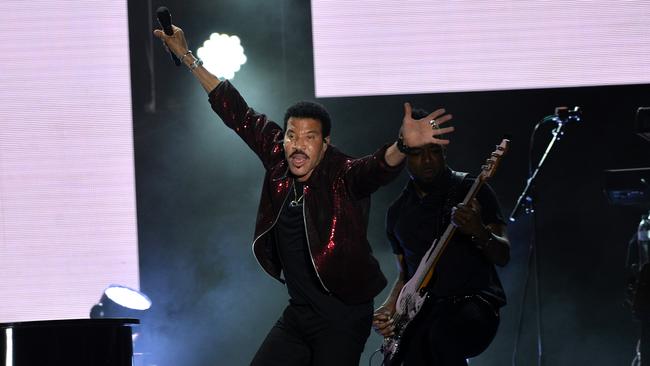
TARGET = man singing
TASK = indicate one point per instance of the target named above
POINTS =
(312, 219)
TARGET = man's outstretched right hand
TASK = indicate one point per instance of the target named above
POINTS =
(175, 43)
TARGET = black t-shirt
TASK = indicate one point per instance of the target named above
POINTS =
(413, 223)
(302, 282)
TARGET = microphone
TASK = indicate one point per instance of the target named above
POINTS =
(165, 21)
(566, 114)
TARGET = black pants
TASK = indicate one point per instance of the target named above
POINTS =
(302, 337)
(450, 331)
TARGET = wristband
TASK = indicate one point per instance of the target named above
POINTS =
(185, 55)
(198, 62)
(401, 146)
(480, 244)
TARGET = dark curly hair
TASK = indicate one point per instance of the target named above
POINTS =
(419, 113)
(313, 110)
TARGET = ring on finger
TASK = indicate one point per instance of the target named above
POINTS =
(434, 124)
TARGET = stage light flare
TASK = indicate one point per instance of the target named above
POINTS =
(222, 54)
(128, 297)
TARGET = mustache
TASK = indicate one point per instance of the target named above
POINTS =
(299, 152)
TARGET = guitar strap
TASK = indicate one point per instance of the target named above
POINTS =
(458, 176)
(452, 199)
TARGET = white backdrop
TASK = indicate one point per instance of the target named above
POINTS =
(67, 193)
(375, 47)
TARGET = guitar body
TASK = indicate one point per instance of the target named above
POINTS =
(413, 296)
(393, 347)
(409, 303)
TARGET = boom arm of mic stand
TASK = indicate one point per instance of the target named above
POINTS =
(525, 197)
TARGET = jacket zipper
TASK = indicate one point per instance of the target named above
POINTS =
(266, 231)
(304, 220)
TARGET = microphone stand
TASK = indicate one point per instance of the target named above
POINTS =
(525, 204)
(526, 195)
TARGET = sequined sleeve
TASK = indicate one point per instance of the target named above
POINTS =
(365, 175)
(264, 137)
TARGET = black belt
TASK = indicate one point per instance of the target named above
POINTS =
(477, 298)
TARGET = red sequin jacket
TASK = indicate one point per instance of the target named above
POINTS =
(336, 203)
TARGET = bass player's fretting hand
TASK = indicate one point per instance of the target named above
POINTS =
(491, 239)
(467, 219)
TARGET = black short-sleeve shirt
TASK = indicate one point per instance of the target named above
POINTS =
(414, 222)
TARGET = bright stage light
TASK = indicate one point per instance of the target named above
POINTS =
(222, 54)
(119, 301)
(128, 297)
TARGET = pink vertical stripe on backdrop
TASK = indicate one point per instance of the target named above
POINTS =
(67, 187)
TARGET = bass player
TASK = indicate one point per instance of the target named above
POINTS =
(461, 316)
